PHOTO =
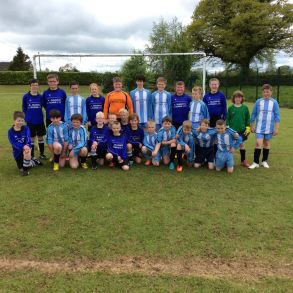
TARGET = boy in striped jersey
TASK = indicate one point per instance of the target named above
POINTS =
(142, 101)
(180, 103)
(57, 139)
(226, 144)
(266, 114)
(161, 103)
(198, 109)
(149, 144)
(77, 144)
(204, 151)
(185, 144)
(75, 104)
(166, 143)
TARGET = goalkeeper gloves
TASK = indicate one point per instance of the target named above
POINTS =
(247, 131)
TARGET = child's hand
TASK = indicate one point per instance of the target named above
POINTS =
(197, 129)
(119, 159)
(236, 135)
(154, 154)
(140, 145)
(26, 149)
(89, 123)
(94, 145)
(232, 150)
(187, 148)
(70, 147)
(252, 128)
(276, 132)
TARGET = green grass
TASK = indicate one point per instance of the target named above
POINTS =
(148, 212)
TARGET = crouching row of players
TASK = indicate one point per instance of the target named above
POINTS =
(121, 147)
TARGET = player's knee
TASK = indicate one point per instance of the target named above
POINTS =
(179, 148)
(125, 167)
(129, 147)
(144, 149)
(109, 157)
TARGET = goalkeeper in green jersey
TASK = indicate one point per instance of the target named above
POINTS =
(238, 118)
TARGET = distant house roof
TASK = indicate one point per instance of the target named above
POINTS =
(4, 66)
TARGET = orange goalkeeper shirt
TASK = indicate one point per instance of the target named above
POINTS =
(115, 101)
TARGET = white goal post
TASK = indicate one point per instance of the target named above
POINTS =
(200, 54)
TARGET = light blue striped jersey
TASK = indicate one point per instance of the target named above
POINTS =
(225, 141)
(150, 140)
(75, 105)
(161, 105)
(266, 112)
(184, 139)
(78, 137)
(198, 111)
(57, 133)
(142, 104)
(166, 135)
(205, 139)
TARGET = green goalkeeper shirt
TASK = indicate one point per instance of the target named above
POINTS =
(238, 117)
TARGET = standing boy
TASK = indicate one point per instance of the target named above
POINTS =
(142, 101)
(54, 97)
(32, 103)
(161, 103)
(266, 113)
(180, 103)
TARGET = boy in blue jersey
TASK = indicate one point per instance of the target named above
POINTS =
(266, 114)
(204, 152)
(226, 145)
(98, 140)
(117, 147)
(185, 144)
(149, 144)
(124, 119)
(135, 136)
(57, 139)
(161, 103)
(166, 143)
(180, 102)
(75, 104)
(198, 109)
(142, 101)
(20, 139)
(54, 97)
(94, 104)
(77, 143)
(32, 103)
(216, 102)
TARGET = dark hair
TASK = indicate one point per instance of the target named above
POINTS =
(205, 121)
(166, 119)
(76, 117)
(180, 83)
(73, 83)
(18, 114)
(116, 79)
(54, 113)
(133, 116)
(34, 80)
(221, 122)
(116, 123)
(237, 94)
(140, 77)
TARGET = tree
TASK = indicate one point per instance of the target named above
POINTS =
(239, 30)
(20, 62)
(68, 68)
(132, 67)
(169, 38)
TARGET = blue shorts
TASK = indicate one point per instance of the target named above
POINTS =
(165, 150)
(224, 159)
(264, 136)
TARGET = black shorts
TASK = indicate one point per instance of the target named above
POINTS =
(203, 154)
(176, 124)
(120, 165)
(241, 134)
(213, 120)
(136, 151)
(37, 129)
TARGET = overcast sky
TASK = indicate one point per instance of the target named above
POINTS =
(84, 26)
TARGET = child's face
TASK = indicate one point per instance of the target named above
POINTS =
(167, 125)
(267, 93)
(221, 129)
(19, 122)
(112, 118)
(117, 86)
(139, 83)
(34, 87)
(204, 127)
(238, 100)
(214, 86)
(56, 120)
(124, 116)
(161, 86)
(100, 120)
(186, 130)
(196, 95)
(133, 122)
(76, 123)
(151, 128)
(53, 83)
(116, 128)
(95, 91)
(74, 89)
(180, 89)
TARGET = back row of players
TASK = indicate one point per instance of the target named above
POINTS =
(116, 125)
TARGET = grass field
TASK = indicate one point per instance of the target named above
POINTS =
(149, 229)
